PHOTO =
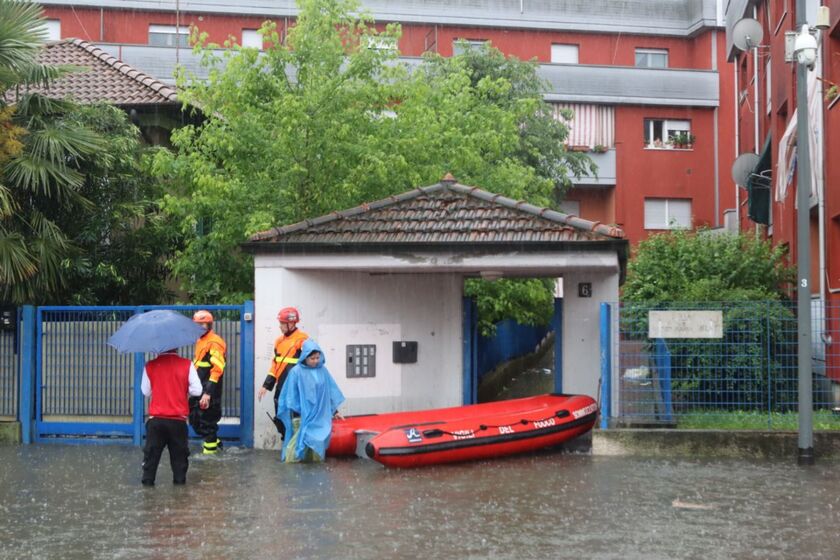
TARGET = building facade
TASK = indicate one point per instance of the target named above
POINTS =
(766, 119)
(647, 80)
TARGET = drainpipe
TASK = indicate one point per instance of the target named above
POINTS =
(716, 134)
(755, 89)
(737, 146)
(101, 24)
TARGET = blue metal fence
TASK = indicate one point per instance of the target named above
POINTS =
(84, 388)
(9, 367)
(748, 368)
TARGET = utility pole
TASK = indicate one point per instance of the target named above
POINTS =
(803, 247)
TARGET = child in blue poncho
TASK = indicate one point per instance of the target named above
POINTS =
(311, 393)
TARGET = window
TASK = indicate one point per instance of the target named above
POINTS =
(662, 133)
(380, 42)
(570, 207)
(52, 28)
(564, 54)
(168, 36)
(460, 46)
(251, 38)
(651, 58)
(667, 213)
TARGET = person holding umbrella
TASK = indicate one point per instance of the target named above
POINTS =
(209, 361)
(169, 380)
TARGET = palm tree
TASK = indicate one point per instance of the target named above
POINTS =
(40, 154)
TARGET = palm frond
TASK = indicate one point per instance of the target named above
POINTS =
(17, 264)
(7, 202)
(44, 178)
(22, 32)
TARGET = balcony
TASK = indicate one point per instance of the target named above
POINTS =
(606, 171)
(613, 85)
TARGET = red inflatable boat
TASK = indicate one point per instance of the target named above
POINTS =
(444, 435)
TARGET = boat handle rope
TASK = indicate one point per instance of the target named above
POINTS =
(437, 432)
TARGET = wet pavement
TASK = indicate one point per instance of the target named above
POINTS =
(68, 502)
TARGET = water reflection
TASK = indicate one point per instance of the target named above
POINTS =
(86, 502)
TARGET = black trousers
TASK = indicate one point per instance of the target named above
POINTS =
(206, 422)
(160, 433)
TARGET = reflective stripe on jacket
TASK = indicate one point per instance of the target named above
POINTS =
(210, 352)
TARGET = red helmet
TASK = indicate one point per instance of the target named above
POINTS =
(288, 315)
(203, 316)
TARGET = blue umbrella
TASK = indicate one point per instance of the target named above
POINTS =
(155, 331)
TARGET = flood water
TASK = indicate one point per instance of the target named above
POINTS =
(68, 502)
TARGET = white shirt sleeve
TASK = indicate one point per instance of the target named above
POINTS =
(195, 383)
(145, 384)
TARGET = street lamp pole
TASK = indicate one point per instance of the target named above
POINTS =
(803, 251)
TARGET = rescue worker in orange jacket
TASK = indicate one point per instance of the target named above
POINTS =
(286, 354)
(209, 361)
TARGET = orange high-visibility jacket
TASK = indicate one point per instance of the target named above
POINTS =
(286, 355)
(210, 352)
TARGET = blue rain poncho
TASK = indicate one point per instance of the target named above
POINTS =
(312, 393)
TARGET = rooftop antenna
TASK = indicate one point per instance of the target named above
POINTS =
(747, 34)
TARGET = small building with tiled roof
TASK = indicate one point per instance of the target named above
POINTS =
(102, 78)
(369, 279)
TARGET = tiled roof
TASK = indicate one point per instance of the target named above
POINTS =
(104, 78)
(444, 213)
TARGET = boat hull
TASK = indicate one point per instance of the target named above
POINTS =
(419, 438)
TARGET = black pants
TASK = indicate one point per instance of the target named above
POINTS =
(206, 422)
(160, 433)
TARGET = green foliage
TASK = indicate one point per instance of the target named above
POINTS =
(530, 302)
(741, 275)
(754, 420)
(120, 244)
(683, 266)
(320, 123)
(40, 176)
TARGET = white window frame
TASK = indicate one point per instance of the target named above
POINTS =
(669, 128)
(252, 39)
(52, 30)
(565, 53)
(668, 213)
(175, 36)
(462, 45)
(647, 58)
(571, 207)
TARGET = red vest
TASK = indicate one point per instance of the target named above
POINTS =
(169, 376)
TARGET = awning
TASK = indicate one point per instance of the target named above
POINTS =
(758, 187)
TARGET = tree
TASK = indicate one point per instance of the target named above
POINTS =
(320, 122)
(42, 150)
(684, 266)
(121, 244)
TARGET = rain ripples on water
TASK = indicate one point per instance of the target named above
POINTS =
(71, 502)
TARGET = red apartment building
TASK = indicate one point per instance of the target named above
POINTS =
(766, 125)
(639, 75)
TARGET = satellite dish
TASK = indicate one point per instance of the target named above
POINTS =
(747, 34)
(743, 167)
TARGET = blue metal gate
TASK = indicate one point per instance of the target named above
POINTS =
(9, 364)
(87, 392)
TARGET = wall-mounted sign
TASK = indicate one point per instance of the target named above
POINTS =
(584, 289)
(685, 324)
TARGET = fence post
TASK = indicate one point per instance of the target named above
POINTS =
(769, 369)
(557, 323)
(606, 366)
(468, 359)
(26, 402)
(246, 377)
(139, 402)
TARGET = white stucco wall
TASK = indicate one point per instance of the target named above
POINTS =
(350, 307)
(581, 332)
